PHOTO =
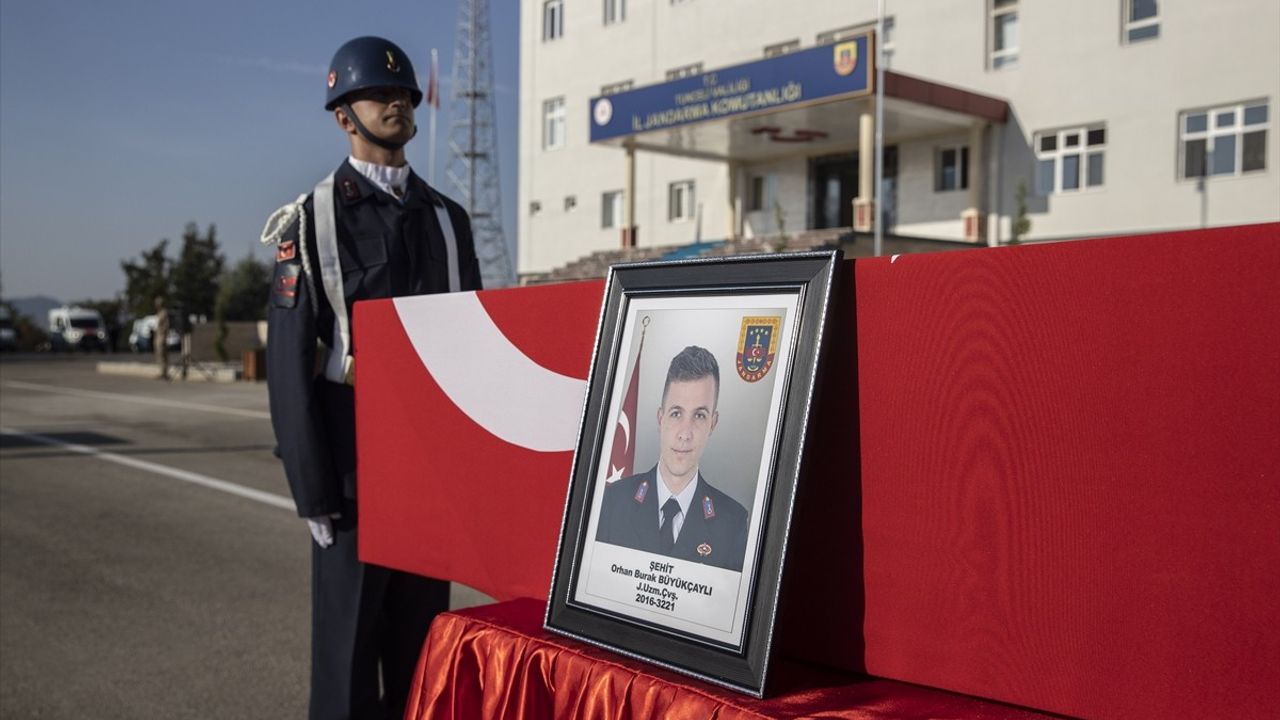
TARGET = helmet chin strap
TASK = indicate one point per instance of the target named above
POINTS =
(364, 131)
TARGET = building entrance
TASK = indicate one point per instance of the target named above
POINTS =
(834, 185)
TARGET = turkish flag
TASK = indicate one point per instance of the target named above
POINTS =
(622, 459)
(467, 413)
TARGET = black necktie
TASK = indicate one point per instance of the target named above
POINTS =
(670, 509)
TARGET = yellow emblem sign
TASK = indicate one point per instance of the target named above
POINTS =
(846, 57)
(391, 62)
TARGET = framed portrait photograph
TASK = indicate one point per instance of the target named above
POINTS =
(689, 451)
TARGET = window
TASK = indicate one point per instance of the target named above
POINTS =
(615, 88)
(781, 48)
(680, 201)
(615, 11)
(763, 189)
(553, 123)
(952, 165)
(1223, 141)
(552, 19)
(685, 71)
(829, 37)
(756, 201)
(1071, 159)
(570, 202)
(1004, 33)
(1141, 20)
(611, 209)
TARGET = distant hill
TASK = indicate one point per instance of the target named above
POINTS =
(36, 307)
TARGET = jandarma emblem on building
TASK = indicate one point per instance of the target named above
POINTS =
(757, 345)
(603, 111)
(846, 57)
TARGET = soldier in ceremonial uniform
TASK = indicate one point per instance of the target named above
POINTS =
(371, 229)
(672, 509)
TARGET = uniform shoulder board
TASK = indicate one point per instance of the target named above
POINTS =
(284, 221)
(282, 231)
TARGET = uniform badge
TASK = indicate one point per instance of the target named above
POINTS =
(757, 345)
(286, 250)
(704, 549)
(846, 58)
(284, 286)
(349, 189)
(642, 492)
(392, 65)
(708, 509)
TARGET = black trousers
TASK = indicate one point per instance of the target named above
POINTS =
(365, 618)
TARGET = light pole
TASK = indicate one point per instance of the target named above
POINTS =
(877, 216)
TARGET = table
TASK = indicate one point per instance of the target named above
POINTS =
(496, 661)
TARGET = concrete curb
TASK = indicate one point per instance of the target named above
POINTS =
(200, 372)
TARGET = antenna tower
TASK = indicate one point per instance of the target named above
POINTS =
(473, 142)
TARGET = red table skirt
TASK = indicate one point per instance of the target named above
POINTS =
(496, 661)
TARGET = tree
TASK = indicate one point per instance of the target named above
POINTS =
(28, 334)
(197, 272)
(1021, 223)
(146, 280)
(243, 294)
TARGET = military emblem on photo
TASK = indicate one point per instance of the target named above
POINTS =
(757, 345)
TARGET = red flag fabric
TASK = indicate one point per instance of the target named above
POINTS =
(467, 417)
(622, 459)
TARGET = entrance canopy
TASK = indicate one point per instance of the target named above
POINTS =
(802, 103)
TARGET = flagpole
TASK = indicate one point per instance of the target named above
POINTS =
(876, 200)
(433, 85)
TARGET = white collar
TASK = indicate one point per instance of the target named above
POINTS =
(384, 177)
(684, 498)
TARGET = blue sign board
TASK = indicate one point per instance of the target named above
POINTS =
(820, 73)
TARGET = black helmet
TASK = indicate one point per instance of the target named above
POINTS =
(369, 62)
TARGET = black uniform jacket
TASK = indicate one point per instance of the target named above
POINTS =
(386, 249)
(714, 530)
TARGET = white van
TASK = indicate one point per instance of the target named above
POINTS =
(77, 328)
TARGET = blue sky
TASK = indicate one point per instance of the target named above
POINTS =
(122, 121)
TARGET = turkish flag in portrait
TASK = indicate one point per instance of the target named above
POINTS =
(622, 459)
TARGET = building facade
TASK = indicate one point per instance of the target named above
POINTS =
(1089, 118)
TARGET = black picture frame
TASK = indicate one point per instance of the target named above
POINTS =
(590, 597)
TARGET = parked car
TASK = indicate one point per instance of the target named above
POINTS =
(140, 337)
(77, 328)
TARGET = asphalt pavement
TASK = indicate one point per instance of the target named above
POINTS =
(151, 564)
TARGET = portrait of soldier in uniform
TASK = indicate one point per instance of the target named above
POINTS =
(672, 509)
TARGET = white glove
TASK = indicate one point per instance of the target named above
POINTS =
(322, 529)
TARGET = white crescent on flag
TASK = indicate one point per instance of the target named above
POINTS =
(490, 380)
